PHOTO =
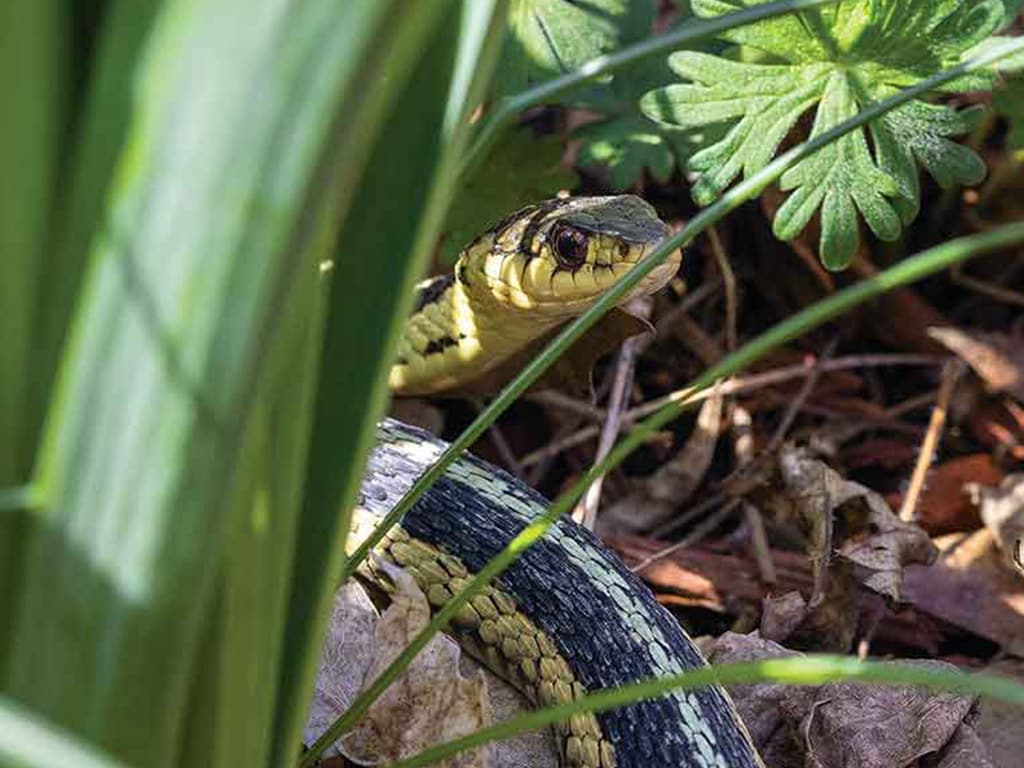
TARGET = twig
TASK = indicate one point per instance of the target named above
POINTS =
(508, 456)
(734, 386)
(558, 445)
(743, 384)
(729, 281)
(692, 300)
(950, 373)
(585, 512)
(699, 532)
(986, 288)
(813, 375)
(743, 442)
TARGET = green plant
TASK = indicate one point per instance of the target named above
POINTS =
(832, 62)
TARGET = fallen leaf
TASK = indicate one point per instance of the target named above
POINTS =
(945, 505)
(727, 583)
(999, 722)
(997, 358)
(869, 535)
(862, 726)
(850, 725)
(662, 494)
(431, 703)
(971, 586)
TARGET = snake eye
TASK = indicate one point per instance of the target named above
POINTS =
(570, 246)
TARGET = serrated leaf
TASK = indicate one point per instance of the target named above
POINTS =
(547, 38)
(834, 61)
(520, 169)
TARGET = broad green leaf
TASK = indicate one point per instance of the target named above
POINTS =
(382, 251)
(242, 146)
(99, 137)
(520, 169)
(830, 61)
(28, 741)
(547, 38)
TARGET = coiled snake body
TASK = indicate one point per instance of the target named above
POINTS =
(567, 617)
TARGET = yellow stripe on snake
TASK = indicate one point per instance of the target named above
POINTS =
(567, 618)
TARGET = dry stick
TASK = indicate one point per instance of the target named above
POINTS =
(729, 281)
(992, 290)
(743, 441)
(508, 456)
(733, 386)
(691, 302)
(741, 384)
(813, 375)
(710, 523)
(585, 512)
(950, 373)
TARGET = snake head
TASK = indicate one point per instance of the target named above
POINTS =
(561, 255)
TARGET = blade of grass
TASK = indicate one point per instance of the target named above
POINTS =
(807, 670)
(28, 741)
(915, 268)
(250, 122)
(689, 31)
(382, 252)
(743, 192)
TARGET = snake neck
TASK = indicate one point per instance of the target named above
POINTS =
(463, 327)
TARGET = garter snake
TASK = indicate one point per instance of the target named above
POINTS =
(567, 617)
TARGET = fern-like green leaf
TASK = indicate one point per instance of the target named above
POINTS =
(834, 62)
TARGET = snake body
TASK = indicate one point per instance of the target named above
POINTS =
(567, 617)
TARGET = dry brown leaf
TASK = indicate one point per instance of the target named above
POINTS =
(1002, 510)
(870, 536)
(997, 358)
(661, 494)
(861, 726)
(972, 587)
(844, 725)
(945, 505)
(432, 703)
(760, 706)
(999, 725)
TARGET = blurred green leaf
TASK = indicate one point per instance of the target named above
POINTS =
(834, 61)
(626, 146)
(547, 38)
(100, 129)
(382, 252)
(249, 134)
(27, 741)
(32, 79)
(520, 169)
(1009, 102)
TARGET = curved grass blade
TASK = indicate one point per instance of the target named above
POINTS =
(807, 670)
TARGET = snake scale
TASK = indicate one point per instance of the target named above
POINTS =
(567, 617)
